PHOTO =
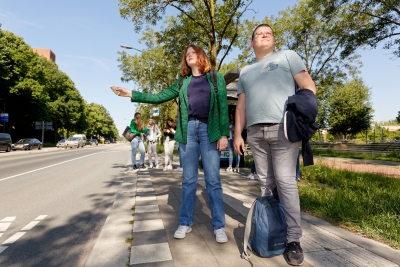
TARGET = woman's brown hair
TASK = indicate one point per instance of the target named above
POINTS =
(202, 61)
(138, 121)
(173, 124)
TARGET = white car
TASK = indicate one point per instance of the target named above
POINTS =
(74, 142)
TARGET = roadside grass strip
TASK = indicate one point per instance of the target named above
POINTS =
(366, 203)
(391, 156)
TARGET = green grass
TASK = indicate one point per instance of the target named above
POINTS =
(392, 156)
(363, 202)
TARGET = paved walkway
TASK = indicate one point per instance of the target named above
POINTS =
(156, 197)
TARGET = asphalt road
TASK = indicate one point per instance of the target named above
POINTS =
(53, 203)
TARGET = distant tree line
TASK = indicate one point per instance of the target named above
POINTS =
(34, 89)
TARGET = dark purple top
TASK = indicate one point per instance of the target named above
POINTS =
(199, 98)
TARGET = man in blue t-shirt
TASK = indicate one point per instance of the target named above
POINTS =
(263, 91)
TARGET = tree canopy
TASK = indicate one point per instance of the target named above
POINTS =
(376, 21)
(33, 89)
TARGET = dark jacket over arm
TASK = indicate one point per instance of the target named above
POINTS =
(300, 125)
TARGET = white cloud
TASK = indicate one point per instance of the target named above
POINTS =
(9, 19)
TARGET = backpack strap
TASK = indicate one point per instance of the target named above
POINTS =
(214, 79)
(245, 255)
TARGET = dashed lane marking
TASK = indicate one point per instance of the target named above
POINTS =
(30, 225)
(4, 226)
(41, 217)
(13, 238)
(8, 219)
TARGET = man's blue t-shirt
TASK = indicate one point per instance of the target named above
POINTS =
(267, 84)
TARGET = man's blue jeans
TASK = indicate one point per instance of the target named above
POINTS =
(136, 143)
(199, 144)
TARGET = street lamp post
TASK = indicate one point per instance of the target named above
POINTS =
(151, 80)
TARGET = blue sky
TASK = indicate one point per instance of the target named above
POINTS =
(86, 35)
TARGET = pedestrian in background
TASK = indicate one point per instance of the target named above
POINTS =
(169, 143)
(137, 142)
(230, 145)
(263, 91)
(152, 134)
(202, 131)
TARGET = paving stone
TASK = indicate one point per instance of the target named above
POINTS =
(149, 237)
(141, 183)
(193, 255)
(194, 237)
(148, 225)
(150, 253)
(309, 245)
(145, 202)
(326, 259)
(362, 257)
(145, 198)
(311, 229)
(148, 208)
(147, 216)
(155, 264)
(145, 189)
(330, 241)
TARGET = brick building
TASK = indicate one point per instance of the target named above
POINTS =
(45, 52)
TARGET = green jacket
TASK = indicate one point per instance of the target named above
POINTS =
(218, 122)
(136, 131)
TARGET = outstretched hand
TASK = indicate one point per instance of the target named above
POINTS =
(124, 92)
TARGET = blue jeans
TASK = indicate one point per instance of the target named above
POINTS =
(231, 152)
(136, 143)
(199, 144)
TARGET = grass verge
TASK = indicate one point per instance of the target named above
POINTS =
(392, 156)
(366, 203)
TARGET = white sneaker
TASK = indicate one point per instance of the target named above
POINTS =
(220, 235)
(179, 169)
(169, 167)
(157, 167)
(236, 169)
(255, 176)
(182, 231)
(250, 176)
(150, 166)
(165, 168)
(229, 169)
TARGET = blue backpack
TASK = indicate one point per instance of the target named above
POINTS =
(269, 228)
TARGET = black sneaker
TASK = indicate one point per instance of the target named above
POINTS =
(142, 167)
(294, 254)
(133, 168)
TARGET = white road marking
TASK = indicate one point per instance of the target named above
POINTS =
(4, 226)
(47, 167)
(13, 238)
(41, 217)
(8, 219)
(2, 249)
(30, 225)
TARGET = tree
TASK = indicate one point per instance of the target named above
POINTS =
(398, 117)
(350, 110)
(376, 21)
(212, 24)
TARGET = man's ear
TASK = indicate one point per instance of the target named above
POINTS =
(251, 43)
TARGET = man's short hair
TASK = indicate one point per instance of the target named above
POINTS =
(261, 25)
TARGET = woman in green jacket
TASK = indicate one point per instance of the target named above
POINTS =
(202, 130)
(137, 142)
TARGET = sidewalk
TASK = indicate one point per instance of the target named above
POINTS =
(156, 196)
